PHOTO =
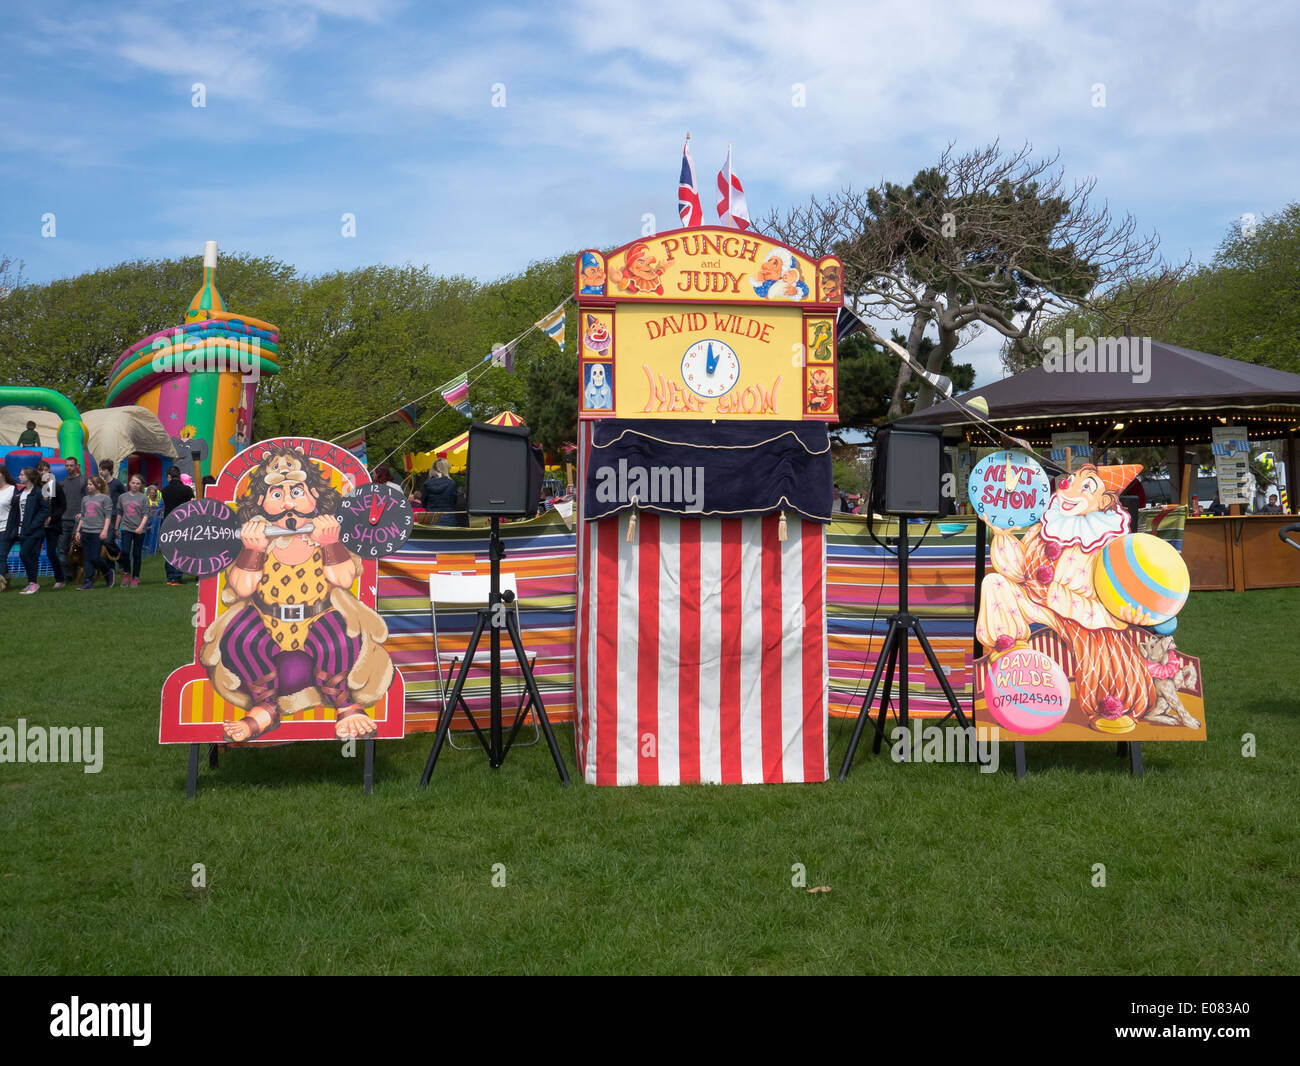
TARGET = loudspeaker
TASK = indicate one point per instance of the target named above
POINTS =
(504, 475)
(907, 475)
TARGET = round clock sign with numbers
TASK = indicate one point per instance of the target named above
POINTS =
(1009, 490)
(710, 368)
(375, 520)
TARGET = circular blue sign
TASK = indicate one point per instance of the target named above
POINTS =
(1009, 490)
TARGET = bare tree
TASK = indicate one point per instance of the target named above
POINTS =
(986, 239)
(11, 275)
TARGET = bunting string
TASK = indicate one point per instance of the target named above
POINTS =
(407, 403)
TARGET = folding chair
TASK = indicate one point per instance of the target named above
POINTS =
(471, 591)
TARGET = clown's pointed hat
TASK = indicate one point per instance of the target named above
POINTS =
(1117, 478)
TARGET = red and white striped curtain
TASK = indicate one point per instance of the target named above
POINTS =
(701, 651)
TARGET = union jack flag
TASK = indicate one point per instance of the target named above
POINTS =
(688, 195)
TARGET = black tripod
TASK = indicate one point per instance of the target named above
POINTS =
(497, 612)
(894, 656)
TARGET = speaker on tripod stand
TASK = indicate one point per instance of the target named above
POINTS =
(906, 482)
(504, 481)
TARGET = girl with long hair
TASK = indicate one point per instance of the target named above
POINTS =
(92, 528)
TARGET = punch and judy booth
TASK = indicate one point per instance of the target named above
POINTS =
(708, 378)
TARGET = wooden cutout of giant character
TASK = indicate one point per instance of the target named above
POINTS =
(294, 636)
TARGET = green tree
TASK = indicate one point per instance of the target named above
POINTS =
(1241, 305)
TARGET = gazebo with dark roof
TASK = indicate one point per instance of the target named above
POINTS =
(1177, 400)
(1184, 395)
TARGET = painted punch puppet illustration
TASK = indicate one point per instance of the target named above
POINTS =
(1108, 594)
(293, 635)
(642, 272)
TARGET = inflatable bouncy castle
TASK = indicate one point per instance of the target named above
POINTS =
(200, 379)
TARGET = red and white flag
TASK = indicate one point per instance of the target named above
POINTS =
(732, 208)
(701, 651)
(688, 195)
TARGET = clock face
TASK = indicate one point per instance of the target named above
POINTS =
(375, 520)
(710, 368)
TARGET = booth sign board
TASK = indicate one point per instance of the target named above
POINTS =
(708, 323)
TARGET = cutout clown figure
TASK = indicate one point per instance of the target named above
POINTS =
(294, 636)
(1046, 577)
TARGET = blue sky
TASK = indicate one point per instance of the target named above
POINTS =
(384, 109)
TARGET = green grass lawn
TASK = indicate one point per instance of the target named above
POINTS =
(932, 868)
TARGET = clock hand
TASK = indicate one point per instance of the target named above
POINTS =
(710, 361)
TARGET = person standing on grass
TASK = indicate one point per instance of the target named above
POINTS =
(56, 507)
(115, 490)
(74, 486)
(175, 494)
(92, 527)
(134, 513)
(27, 518)
(7, 503)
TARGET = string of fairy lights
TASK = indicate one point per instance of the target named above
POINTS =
(1146, 430)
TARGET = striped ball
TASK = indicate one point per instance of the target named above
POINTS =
(1143, 573)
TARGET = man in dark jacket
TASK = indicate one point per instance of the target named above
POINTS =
(175, 494)
(74, 488)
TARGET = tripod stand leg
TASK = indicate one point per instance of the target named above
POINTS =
(886, 691)
(933, 660)
(448, 709)
(536, 697)
(525, 705)
(865, 714)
